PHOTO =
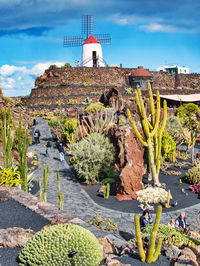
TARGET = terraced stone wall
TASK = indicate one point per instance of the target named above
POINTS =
(164, 80)
(81, 76)
(70, 90)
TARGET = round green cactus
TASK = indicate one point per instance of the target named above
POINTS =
(62, 244)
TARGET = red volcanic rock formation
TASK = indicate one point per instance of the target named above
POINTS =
(129, 159)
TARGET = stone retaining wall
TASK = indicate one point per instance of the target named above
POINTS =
(79, 76)
(70, 90)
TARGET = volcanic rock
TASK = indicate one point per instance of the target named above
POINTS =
(129, 158)
(14, 237)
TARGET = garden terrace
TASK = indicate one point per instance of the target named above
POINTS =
(78, 76)
(70, 90)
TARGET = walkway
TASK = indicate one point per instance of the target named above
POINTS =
(76, 200)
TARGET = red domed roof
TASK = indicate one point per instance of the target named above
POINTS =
(140, 71)
(91, 39)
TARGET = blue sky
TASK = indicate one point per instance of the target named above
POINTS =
(144, 32)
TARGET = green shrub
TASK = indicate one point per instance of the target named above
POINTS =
(62, 244)
(129, 90)
(122, 122)
(94, 107)
(71, 125)
(9, 178)
(103, 224)
(72, 101)
(168, 147)
(67, 65)
(165, 232)
(192, 176)
(8, 99)
(95, 155)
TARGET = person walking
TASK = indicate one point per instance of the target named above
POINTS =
(61, 152)
(38, 136)
(48, 146)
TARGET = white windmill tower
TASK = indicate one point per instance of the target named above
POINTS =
(91, 45)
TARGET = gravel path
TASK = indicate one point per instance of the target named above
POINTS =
(76, 201)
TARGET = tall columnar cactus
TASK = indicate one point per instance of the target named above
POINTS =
(7, 137)
(45, 181)
(152, 253)
(60, 196)
(152, 129)
(22, 146)
(106, 191)
(43, 193)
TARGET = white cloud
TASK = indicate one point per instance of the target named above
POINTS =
(155, 27)
(123, 20)
(18, 81)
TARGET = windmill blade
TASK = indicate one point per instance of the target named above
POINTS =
(87, 25)
(103, 38)
(72, 41)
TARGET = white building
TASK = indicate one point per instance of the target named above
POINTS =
(173, 69)
(92, 53)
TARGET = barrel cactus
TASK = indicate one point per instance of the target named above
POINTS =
(62, 244)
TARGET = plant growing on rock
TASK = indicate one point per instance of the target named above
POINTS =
(103, 224)
(94, 107)
(95, 155)
(62, 244)
(152, 253)
(152, 132)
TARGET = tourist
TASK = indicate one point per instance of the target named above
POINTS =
(37, 136)
(181, 223)
(61, 152)
(48, 146)
(172, 223)
(145, 219)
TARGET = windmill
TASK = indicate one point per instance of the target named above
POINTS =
(91, 43)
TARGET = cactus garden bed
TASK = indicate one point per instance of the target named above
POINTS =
(180, 192)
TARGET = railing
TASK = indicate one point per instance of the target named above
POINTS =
(98, 58)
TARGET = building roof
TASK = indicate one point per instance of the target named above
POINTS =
(91, 39)
(183, 98)
(140, 72)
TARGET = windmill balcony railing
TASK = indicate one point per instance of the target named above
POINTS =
(97, 58)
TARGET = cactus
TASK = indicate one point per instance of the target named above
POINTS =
(60, 196)
(139, 238)
(43, 194)
(167, 205)
(22, 146)
(152, 131)
(101, 124)
(7, 138)
(45, 180)
(107, 191)
(151, 254)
